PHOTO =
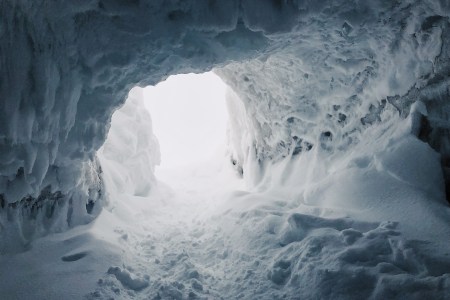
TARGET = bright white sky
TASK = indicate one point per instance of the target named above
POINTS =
(189, 117)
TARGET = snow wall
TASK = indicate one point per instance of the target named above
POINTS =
(305, 75)
(131, 151)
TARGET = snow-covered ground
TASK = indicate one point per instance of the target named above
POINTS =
(205, 236)
(370, 223)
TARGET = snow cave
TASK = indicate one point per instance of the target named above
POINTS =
(239, 149)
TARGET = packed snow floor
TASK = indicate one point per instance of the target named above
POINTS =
(201, 235)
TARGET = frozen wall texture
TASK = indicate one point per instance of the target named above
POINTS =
(131, 151)
(332, 75)
(305, 74)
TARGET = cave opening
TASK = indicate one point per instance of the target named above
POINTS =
(189, 117)
(170, 141)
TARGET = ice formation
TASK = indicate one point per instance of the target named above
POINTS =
(339, 106)
(131, 151)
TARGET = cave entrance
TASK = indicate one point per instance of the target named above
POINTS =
(182, 142)
(189, 117)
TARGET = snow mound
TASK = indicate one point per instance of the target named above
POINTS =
(131, 151)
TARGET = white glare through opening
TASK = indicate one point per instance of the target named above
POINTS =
(189, 117)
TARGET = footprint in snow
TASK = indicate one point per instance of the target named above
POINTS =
(74, 257)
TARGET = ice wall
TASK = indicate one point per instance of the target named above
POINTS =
(330, 78)
(309, 74)
(131, 150)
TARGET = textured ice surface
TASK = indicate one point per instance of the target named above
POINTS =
(329, 78)
(131, 151)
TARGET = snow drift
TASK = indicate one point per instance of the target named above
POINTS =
(131, 151)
